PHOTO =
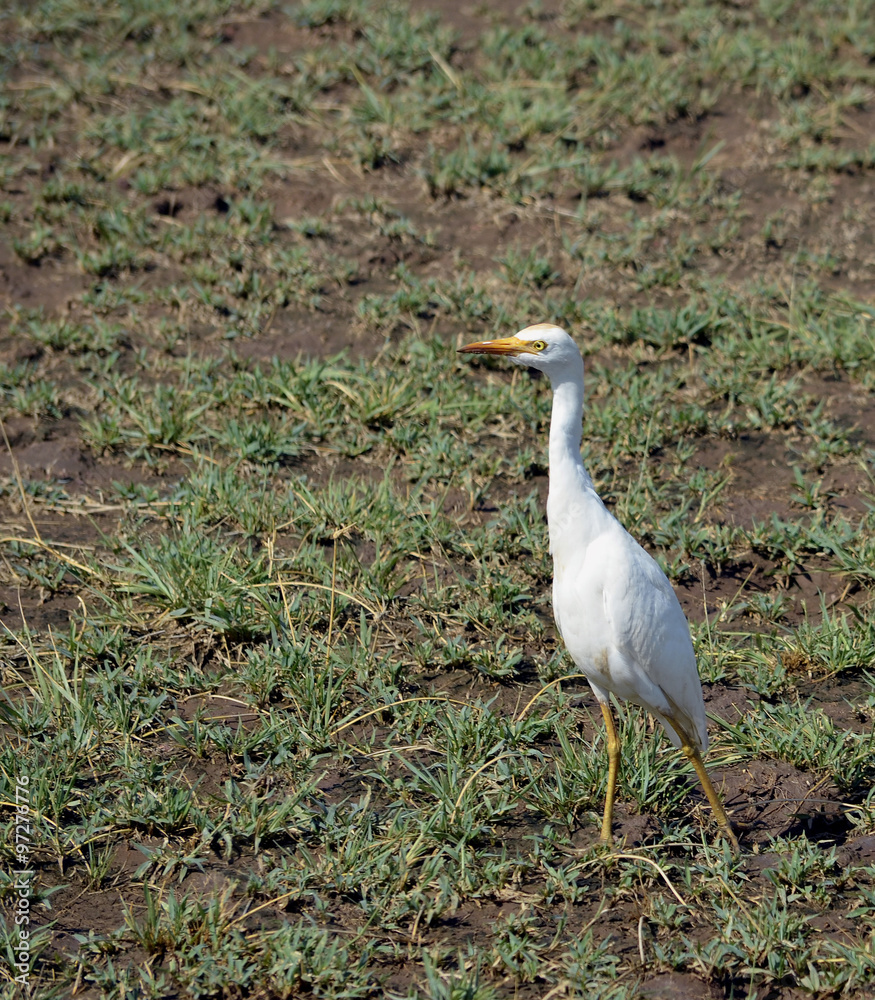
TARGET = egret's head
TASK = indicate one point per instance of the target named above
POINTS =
(543, 346)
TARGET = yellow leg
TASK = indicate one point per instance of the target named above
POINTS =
(691, 752)
(613, 768)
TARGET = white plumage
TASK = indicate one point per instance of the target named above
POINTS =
(614, 607)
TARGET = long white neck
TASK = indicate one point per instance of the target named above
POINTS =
(575, 513)
(565, 429)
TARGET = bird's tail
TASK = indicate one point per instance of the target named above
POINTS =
(695, 730)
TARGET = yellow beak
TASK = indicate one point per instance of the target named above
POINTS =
(508, 345)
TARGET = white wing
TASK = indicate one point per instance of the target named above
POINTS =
(625, 629)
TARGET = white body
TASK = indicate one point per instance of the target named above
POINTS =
(614, 607)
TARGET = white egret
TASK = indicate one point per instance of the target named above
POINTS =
(614, 607)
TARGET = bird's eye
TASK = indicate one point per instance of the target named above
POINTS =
(539, 345)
